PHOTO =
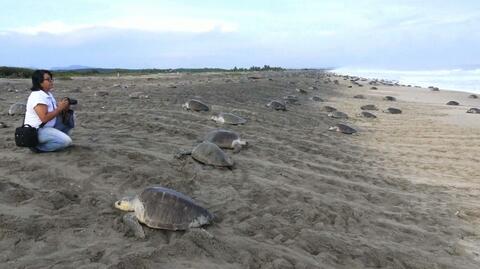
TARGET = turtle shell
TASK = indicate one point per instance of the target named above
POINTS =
(17, 109)
(233, 119)
(338, 115)
(474, 110)
(367, 114)
(392, 110)
(317, 99)
(328, 108)
(389, 98)
(168, 209)
(368, 107)
(209, 153)
(222, 138)
(277, 105)
(345, 129)
(196, 105)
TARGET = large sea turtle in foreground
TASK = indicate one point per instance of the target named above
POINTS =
(195, 105)
(162, 208)
(226, 139)
(228, 118)
(342, 128)
(208, 153)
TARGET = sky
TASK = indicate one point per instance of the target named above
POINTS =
(424, 34)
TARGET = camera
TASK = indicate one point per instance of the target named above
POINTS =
(71, 101)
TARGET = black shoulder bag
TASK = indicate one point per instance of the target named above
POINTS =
(26, 135)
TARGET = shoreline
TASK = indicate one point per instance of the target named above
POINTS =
(442, 79)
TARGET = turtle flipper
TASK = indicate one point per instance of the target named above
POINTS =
(182, 153)
(132, 222)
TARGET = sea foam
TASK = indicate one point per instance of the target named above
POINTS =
(455, 79)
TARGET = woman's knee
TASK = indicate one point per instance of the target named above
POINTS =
(53, 140)
(67, 141)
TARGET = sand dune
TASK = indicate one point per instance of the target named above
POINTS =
(400, 193)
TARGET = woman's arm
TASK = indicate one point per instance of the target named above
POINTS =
(45, 116)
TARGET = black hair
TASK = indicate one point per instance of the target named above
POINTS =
(37, 79)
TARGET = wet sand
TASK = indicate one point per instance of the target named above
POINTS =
(400, 193)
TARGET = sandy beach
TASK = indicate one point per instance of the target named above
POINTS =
(402, 192)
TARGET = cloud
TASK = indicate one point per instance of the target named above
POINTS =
(156, 25)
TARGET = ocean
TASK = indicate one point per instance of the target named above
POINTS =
(455, 79)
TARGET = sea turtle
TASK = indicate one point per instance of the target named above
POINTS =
(101, 93)
(226, 139)
(342, 128)
(338, 115)
(392, 110)
(359, 96)
(328, 108)
(474, 110)
(291, 99)
(17, 109)
(453, 103)
(367, 114)
(208, 153)
(389, 98)
(277, 105)
(195, 105)
(368, 107)
(316, 99)
(302, 91)
(138, 95)
(473, 96)
(162, 208)
(228, 118)
(373, 88)
(435, 89)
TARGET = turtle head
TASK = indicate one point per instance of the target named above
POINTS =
(218, 119)
(333, 128)
(125, 204)
(241, 143)
(238, 144)
(185, 106)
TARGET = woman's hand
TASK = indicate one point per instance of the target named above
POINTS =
(63, 105)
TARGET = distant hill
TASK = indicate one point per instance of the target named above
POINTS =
(71, 67)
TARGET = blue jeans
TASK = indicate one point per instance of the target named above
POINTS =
(53, 138)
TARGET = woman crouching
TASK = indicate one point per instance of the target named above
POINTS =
(42, 109)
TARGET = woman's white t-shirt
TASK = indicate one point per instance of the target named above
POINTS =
(35, 98)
